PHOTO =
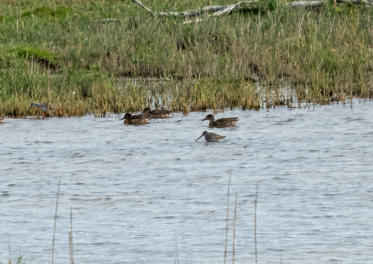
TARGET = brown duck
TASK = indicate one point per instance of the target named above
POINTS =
(46, 109)
(157, 113)
(222, 122)
(135, 119)
(211, 137)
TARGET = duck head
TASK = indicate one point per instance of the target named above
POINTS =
(208, 117)
(147, 110)
(126, 116)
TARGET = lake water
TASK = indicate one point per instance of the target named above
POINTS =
(150, 194)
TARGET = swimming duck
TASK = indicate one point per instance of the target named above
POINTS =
(157, 113)
(211, 137)
(46, 109)
(135, 119)
(222, 122)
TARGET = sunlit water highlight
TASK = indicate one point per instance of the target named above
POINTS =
(150, 194)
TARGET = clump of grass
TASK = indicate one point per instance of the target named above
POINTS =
(44, 57)
(45, 12)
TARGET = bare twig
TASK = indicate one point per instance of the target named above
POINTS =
(227, 220)
(234, 230)
(255, 207)
(142, 5)
(55, 220)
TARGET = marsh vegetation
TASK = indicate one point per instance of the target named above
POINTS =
(112, 56)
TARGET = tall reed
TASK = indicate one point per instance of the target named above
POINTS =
(55, 221)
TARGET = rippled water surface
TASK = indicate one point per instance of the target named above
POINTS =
(151, 195)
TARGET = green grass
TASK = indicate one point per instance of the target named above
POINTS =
(43, 57)
(62, 52)
(45, 12)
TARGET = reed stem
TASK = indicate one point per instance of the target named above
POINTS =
(55, 220)
(255, 226)
(71, 247)
(227, 220)
(234, 230)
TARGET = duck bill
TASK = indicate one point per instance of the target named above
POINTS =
(204, 119)
(122, 118)
(198, 138)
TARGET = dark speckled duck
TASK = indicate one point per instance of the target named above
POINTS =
(135, 119)
(222, 122)
(157, 113)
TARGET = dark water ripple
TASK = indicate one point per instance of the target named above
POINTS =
(151, 195)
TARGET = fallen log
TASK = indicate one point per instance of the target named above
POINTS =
(217, 10)
(356, 2)
(254, 5)
(312, 4)
(307, 4)
(240, 6)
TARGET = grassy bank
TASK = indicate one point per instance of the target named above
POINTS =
(62, 52)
